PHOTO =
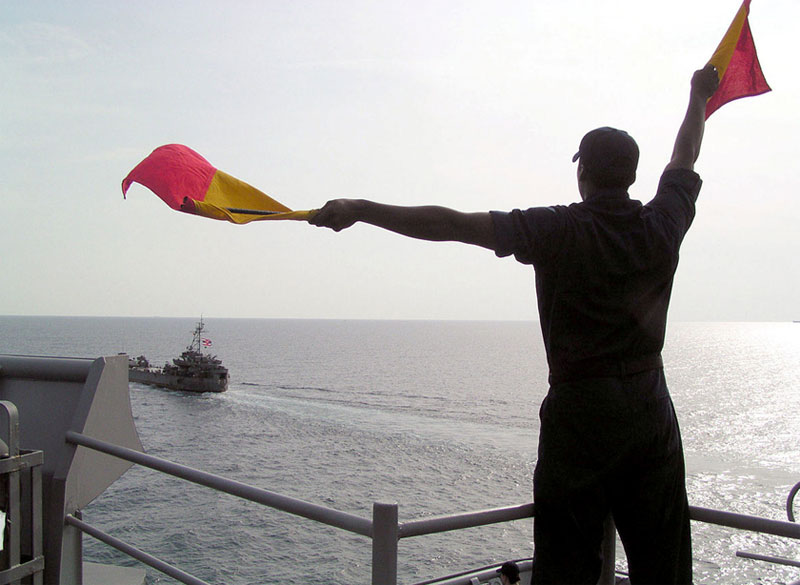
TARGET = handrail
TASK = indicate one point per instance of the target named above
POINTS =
(335, 518)
(493, 516)
(134, 552)
(745, 522)
(768, 558)
(790, 501)
(464, 520)
(383, 528)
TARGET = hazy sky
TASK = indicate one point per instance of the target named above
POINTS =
(470, 104)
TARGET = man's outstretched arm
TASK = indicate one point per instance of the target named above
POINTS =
(434, 223)
(690, 136)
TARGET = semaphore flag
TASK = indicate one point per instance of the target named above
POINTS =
(187, 182)
(737, 64)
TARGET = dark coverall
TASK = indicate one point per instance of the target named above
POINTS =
(609, 440)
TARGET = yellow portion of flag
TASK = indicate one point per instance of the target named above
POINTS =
(722, 56)
(230, 199)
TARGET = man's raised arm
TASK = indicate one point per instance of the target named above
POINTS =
(687, 144)
(429, 222)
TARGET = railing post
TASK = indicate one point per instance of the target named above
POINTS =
(609, 551)
(384, 544)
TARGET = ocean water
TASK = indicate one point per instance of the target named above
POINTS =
(440, 417)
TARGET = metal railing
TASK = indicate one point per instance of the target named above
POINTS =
(383, 529)
(21, 506)
(790, 501)
(342, 520)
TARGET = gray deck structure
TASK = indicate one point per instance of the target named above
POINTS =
(53, 396)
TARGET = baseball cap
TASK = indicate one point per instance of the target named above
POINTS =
(510, 570)
(609, 155)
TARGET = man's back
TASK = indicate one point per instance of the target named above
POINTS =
(604, 268)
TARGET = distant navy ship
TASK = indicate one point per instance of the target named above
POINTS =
(193, 371)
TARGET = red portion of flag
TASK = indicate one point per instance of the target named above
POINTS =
(173, 172)
(207, 343)
(743, 76)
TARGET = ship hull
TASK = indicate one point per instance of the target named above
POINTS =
(176, 382)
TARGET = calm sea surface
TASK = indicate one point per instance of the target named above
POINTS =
(440, 417)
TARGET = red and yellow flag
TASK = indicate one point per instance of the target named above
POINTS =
(187, 182)
(737, 64)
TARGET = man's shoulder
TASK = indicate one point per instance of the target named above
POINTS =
(527, 233)
(680, 178)
(677, 184)
(531, 214)
(673, 207)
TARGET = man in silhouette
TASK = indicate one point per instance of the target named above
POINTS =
(609, 440)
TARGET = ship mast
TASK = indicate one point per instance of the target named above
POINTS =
(197, 338)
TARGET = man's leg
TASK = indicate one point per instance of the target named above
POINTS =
(567, 535)
(656, 534)
(651, 509)
(569, 502)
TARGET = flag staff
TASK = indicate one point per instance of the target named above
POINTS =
(251, 211)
